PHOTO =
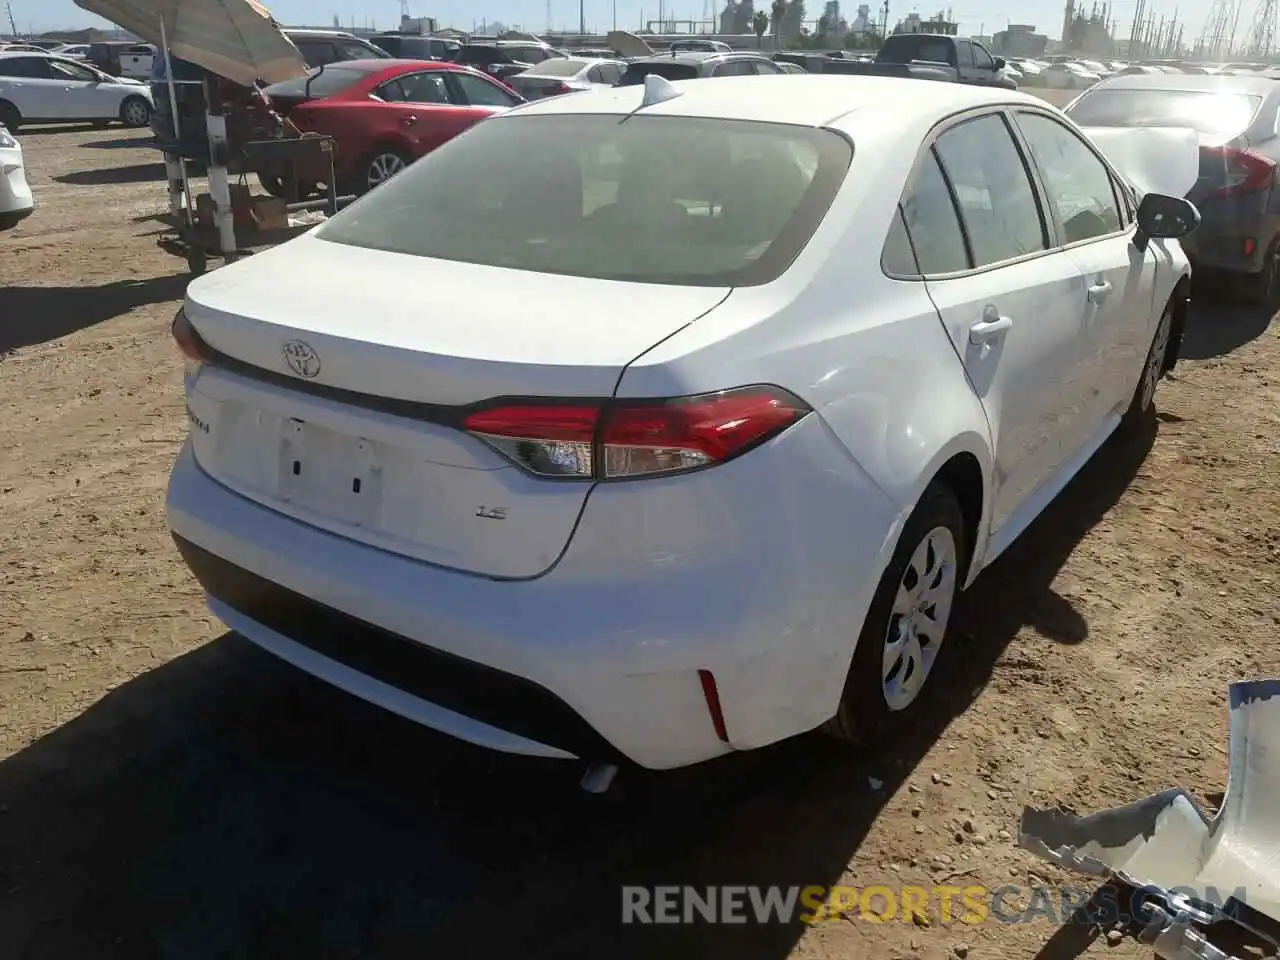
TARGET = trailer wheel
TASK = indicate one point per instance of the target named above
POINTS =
(197, 261)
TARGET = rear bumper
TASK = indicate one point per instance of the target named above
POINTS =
(1222, 245)
(599, 658)
(16, 198)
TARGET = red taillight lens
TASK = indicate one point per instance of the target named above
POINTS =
(194, 349)
(1241, 171)
(629, 439)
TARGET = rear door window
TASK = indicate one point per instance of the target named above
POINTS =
(25, 68)
(734, 68)
(930, 218)
(479, 92)
(998, 204)
(416, 88)
(317, 53)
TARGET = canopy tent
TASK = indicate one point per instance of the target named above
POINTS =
(236, 39)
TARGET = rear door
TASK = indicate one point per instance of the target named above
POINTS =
(984, 66)
(87, 97)
(1007, 298)
(1094, 221)
(30, 85)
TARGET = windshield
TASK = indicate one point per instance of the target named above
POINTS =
(325, 82)
(670, 200)
(1204, 111)
(557, 67)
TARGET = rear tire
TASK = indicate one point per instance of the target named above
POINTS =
(907, 622)
(135, 113)
(10, 116)
(379, 167)
(1260, 288)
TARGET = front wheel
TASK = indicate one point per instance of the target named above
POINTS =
(1142, 404)
(135, 113)
(907, 622)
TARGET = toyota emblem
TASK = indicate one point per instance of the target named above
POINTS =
(302, 359)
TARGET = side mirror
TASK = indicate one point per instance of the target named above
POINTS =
(1000, 63)
(1164, 218)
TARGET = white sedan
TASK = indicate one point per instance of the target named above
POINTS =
(753, 390)
(1068, 76)
(16, 201)
(49, 88)
(560, 75)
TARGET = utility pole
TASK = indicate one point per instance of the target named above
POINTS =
(582, 18)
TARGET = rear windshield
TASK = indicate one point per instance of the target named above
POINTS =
(325, 82)
(1208, 112)
(671, 71)
(906, 49)
(558, 67)
(475, 54)
(669, 200)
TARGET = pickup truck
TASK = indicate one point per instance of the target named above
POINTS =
(929, 56)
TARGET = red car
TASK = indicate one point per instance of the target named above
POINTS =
(382, 114)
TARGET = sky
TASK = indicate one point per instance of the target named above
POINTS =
(975, 16)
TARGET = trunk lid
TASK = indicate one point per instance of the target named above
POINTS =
(536, 87)
(439, 335)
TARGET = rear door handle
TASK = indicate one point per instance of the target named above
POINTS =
(988, 328)
(409, 121)
(1099, 291)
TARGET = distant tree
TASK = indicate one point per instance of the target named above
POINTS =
(793, 21)
(776, 14)
(744, 16)
(760, 24)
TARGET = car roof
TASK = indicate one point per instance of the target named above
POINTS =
(379, 64)
(30, 53)
(320, 34)
(806, 100)
(1190, 82)
(683, 56)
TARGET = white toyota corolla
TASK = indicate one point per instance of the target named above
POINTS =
(661, 422)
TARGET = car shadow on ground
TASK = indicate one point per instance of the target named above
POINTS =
(119, 143)
(225, 805)
(1218, 325)
(106, 176)
(46, 130)
(34, 315)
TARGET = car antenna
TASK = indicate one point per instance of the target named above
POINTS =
(656, 90)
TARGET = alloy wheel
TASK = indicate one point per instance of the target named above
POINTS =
(1155, 359)
(918, 622)
(383, 167)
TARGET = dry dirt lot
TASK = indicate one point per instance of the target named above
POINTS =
(167, 791)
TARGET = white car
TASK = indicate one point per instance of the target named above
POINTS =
(45, 87)
(16, 201)
(558, 75)
(752, 392)
(1068, 76)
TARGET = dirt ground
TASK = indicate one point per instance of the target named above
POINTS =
(168, 791)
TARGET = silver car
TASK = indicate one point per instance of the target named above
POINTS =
(1238, 194)
(551, 78)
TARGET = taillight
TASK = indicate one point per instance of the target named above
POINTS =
(560, 88)
(194, 349)
(1242, 171)
(624, 439)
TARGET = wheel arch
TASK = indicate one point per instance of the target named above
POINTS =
(963, 466)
